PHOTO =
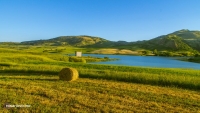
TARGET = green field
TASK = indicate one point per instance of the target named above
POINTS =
(29, 76)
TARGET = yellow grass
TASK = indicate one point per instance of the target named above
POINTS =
(48, 94)
(114, 51)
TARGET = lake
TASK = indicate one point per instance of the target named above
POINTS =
(146, 61)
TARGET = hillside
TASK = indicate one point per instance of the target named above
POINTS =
(78, 41)
(168, 42)
(192, 38)
(182, 40)
(187, 34)
(68, 40)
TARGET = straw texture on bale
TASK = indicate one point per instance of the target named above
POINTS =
(68, 74)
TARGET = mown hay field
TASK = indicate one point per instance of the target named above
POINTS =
(46, 93)
(100, 88)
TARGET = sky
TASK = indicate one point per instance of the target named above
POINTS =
(115, 20)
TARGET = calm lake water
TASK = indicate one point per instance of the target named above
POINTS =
(147, 61)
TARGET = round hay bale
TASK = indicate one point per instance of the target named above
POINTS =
(68, 74)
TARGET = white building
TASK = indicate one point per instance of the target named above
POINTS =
(78, 53)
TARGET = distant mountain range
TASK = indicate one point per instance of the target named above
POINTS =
(182, 40)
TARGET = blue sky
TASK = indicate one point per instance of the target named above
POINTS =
(128, 20)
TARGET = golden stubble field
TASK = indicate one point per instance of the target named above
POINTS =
(49, 94)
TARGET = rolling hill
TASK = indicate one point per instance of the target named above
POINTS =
(69, 40)
(167, 42)
(182, 40)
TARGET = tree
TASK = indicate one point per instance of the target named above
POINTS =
(197, 55)
(146, 52)
(155, 51)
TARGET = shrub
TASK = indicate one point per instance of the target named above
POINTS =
(83, 60)
(106, 57)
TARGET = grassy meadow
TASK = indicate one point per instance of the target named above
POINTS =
(29, 76)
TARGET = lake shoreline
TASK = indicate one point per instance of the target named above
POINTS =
(181, 58)
(147, 61)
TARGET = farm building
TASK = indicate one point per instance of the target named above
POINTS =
(78, 53)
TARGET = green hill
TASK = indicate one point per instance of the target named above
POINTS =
(68, 40)
(78, 41)
(192, 38)
(168, 42)
(187, 34)
(182, 40)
